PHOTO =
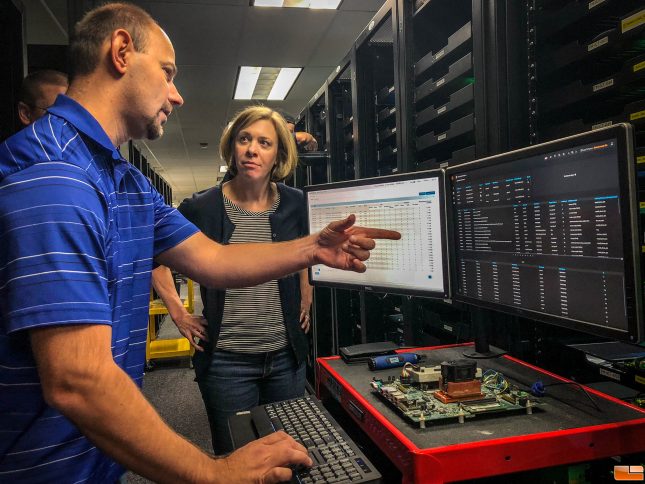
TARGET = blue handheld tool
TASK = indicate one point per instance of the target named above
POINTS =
(392, 361)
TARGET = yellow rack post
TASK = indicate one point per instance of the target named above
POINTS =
(172, 347)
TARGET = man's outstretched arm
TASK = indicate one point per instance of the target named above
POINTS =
(340, 245)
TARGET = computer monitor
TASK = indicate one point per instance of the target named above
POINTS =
(412, 204)
(550, 232)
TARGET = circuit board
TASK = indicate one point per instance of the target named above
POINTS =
(421, 404)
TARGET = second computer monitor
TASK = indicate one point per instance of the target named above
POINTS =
(411, 204)
(550, 232)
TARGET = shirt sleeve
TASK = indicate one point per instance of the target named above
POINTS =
(53, 268)
(186, 208)
(171, 227)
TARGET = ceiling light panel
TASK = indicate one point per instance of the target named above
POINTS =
(283, 83)
(267, 3)
(315, 4)
(246, 80)
(272, 83)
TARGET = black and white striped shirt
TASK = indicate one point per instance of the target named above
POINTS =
(253, 321)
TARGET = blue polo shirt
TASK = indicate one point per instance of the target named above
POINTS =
(79, 227)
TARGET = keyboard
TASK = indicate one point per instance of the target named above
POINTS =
(336, 457)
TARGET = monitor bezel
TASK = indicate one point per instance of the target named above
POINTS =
(629, 213)
(438, 173)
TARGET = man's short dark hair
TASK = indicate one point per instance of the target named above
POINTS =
(30, 87)
(97, 25)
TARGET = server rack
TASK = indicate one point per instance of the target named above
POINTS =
(134, 156)
(461, 80)
(587, 60)
(14, 64)
(587, 66)
(585, 70)
(315, 170)
(374, 98)
(377, 127)
(447, 81)
(342, 144)
(340, 121)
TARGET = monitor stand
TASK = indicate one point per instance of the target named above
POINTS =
(480, 319)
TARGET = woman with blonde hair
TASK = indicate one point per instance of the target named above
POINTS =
(255, 345)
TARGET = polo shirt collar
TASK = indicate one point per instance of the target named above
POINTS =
(71, 111)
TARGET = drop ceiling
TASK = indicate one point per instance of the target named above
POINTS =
(211, 39)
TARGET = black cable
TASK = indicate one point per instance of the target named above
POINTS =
(535, 390)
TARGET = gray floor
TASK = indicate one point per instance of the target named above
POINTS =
(171, 390)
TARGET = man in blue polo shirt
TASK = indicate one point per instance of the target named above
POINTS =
(80, 228)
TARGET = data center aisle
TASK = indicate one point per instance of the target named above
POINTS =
(171, 390)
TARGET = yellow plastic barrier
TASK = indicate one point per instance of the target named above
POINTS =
(167, 348)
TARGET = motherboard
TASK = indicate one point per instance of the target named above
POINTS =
(453, 391)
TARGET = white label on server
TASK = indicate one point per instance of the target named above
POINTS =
(633, 21)
(603, 85)
(609, 374)
(439, 54)
(447, 328)
(442, 109)
(595, 3)
(442, 136)
(601, 125)
(597, 43)
(441, 81)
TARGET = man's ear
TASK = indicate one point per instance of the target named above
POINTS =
(121, 49)
(24, 113)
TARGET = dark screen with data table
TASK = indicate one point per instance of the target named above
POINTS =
(548, 231)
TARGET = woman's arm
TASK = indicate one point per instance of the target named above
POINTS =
(306, 297)
(189, 326)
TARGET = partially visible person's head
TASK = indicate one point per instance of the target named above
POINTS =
(38, 92)
(286, 156)
(123, 46)
(289, 119)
